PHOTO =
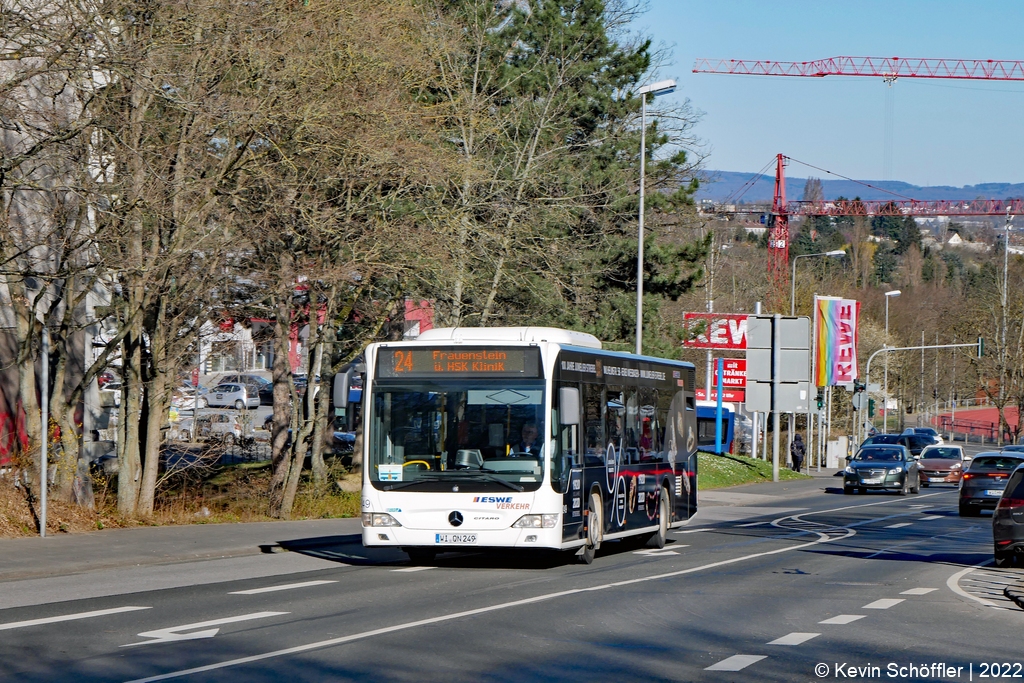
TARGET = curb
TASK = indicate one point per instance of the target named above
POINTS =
(1015, 592)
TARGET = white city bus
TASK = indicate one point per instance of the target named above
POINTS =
(448, 421)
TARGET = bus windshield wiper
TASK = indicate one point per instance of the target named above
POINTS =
(497, 480)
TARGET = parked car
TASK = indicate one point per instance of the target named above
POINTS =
(221, 425)
(1014, 448)
(983, 482)
(184, 398)
(1008, 521)
(263, 387)
(882, 468)
(942, 465)
(238, 396)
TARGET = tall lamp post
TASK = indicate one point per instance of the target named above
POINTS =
(885, 386)
(792, 292)
(654, 89)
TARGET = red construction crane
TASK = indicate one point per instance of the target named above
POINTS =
(889, 69)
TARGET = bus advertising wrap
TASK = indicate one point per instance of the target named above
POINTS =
(835, 340)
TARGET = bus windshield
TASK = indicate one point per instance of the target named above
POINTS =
(431, 435)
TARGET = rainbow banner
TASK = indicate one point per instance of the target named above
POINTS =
(835, 340)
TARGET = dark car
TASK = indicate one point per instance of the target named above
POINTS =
(882, 439)
(882, 468)
(983, 482)
(1014, 448)
(916, 443)
(926, 431)
(1008, 521)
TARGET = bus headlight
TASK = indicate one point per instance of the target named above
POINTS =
(536, 522)
(379, 519)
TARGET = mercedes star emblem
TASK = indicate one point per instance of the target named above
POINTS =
(455, 518)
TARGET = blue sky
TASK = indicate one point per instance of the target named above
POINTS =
(945, 132)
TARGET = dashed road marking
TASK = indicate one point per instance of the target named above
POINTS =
(413, 569)
(884, 603)
(897, 526)
(692, 531)
(927, 518)
(843, 619)
(918, 591)
(794, 639)
(750, 524)
(69, 617)
(735, 663)
(283, 587)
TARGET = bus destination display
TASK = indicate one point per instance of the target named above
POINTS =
(517, 361)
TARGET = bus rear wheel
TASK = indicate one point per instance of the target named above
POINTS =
(594, 531)
(658, 538)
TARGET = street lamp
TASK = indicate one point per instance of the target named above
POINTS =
(792, 293)
(885, 389)
(654, 89)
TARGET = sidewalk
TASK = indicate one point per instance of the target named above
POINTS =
(64, 555)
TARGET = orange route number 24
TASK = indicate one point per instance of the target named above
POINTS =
(403, 361)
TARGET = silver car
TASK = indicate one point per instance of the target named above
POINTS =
(237, 396)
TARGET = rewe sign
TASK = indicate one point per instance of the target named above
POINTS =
(715, 331)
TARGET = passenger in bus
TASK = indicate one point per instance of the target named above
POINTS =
(528, 443)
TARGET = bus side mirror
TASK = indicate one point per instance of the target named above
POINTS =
(341, 385)
(569, 405)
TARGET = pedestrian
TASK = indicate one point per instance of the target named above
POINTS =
(796, 452)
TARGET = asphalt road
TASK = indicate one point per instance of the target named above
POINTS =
(766, 585)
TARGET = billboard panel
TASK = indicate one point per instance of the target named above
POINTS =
(715, 331)
(835, 340)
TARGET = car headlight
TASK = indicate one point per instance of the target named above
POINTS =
(379, 519)
(895, 470)
(955, 466)
(849, 470)
(536, 522)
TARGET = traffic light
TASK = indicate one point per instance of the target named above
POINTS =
(871, 407)
(821, 399)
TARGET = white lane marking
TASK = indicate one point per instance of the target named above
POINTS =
(897, 526)
(919, 506)
(172, 634)
(68, 617)
(735, 663)
(930, 517)
(284, 587)
(953, 583)
(658, 552)
(884, 603)
(919, 591)
(413, 569)
(744, 526)
(692, 531)
(794, 638)
(843, 619)
(822, 538)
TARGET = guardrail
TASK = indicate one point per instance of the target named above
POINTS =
(979, 431)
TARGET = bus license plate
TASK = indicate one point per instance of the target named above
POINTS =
(455, 539)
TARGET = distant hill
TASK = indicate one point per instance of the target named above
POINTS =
(724, 185)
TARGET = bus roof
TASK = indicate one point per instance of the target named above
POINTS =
(511, 334)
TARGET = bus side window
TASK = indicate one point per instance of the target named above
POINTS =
(592, 413)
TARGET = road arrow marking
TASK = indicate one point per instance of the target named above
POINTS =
(173, 634)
